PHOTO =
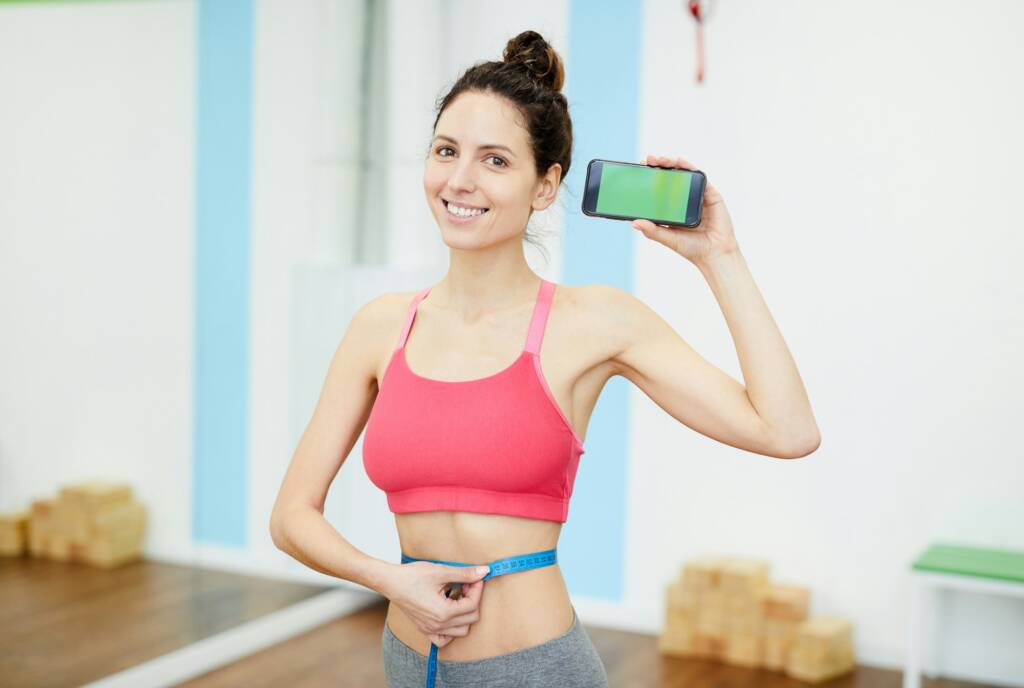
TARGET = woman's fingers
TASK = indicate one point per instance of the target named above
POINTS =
(450, 634)
(463, 610)
(463, 619)
(665, 161)
(455, 631)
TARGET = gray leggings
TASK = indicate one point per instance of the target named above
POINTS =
(568, 661)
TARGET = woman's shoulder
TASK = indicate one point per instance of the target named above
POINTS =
(606, 314)
(596, 303)
(380, 319)
(389, 304)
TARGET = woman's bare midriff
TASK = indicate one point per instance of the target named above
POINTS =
(517, 610)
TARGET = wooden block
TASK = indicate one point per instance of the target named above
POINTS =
(678, 596)
(58, 548)
(92, 509)
(775, 650)
(92, 494)
(676, 639)
(744, 623)
(743, 649)
(39, 526)
(11, 538)
(78, 551)
(14, 533)
(788, 602)
(711, 622)
(127, 516)
(712, 601)
(742, 575)
(779, 628)
(113, 561)
(702, 573)
(13, 547)
(113, 549)
(707, 646)
(13, 521)
(69, 520)
(823, 649)
(674, 616)
(42, 507)
(38, 543)
(743, 604)
(120, 540)
(824, 634)
(778, 636)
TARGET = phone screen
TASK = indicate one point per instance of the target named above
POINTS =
(624, 190)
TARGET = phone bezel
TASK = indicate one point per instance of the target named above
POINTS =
(593, 181)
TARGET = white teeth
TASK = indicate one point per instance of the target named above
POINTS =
(462, 212)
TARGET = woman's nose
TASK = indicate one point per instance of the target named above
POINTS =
(461, 178)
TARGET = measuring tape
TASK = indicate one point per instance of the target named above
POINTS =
(499, 567)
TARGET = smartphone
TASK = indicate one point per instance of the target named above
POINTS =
(631, 191)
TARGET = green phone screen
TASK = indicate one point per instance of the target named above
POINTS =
(641, 191)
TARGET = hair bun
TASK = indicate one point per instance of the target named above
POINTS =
(530, 50)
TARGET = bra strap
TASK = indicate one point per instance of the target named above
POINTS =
(540, 316)
(410, 316)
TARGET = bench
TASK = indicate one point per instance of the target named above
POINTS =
(960, 567)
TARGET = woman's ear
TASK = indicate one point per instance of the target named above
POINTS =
(547, 187)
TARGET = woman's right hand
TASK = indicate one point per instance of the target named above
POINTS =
(441, 611)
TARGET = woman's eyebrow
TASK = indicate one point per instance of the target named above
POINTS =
(486, 145)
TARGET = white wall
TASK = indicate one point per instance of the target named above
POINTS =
(868, 154)
(833, 130)
(96, 227)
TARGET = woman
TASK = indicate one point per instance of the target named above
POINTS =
(478, 455)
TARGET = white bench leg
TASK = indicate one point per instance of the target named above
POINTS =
(912, 662)
(936, 609)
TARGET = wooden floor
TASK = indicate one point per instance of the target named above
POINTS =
(64, 624)
(347, 652)
(69, 624)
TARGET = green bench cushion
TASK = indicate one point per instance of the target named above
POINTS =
(981, 562)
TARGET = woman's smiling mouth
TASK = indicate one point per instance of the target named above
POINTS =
(460, 214)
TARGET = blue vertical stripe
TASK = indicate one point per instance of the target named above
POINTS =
(602, 88)
(222, 248)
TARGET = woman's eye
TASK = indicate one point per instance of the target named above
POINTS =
(496, 157)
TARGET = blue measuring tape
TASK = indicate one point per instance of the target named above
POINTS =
(522, 562)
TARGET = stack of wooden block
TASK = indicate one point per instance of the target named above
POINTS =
(97, 523)
(727, 609)
(13, 534)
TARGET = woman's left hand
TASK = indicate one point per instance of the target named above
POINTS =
(709, 239)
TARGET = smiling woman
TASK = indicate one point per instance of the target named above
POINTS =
(473, 434)
(501, 147)
(476, 392)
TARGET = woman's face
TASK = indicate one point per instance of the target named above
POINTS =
(480, 157)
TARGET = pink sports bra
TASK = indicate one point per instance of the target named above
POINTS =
(494, 445)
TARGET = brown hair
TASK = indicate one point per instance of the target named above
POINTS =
(530, 77)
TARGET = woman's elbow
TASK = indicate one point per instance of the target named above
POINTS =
(806, 447)
(278, 529)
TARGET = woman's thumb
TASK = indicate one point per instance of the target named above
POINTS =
(472, 573)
